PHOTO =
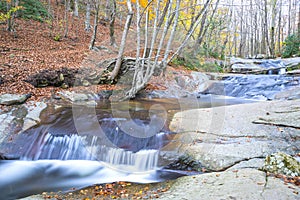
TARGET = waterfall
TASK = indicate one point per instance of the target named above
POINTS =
(71, 147)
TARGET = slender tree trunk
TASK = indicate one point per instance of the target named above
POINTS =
(112, 23)
(241, 48)
(76, 3)
(279, 28)
(9, 5)
(289, 17)
(117, 67)
(154, 37)
(96, 19)
(88, 16)
(272, 33)
(299, 21)
(268, 46)
(67, 6)
(164, 34)
(137, 73)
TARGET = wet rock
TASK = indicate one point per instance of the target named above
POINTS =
(236, 184)
(291, 62)
(105, 94)
(261, 66)
(259, 87)
(183, 85)
(185, 163)
(20, 118)
(281, 163)
(11, 99)
(33, 114)
(73, 97)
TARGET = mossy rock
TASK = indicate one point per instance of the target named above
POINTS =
(281, 163)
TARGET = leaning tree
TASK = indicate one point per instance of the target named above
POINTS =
(157, 42)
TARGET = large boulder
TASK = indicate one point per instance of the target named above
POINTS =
(222, 137)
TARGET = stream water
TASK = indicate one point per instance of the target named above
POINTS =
(80, 146)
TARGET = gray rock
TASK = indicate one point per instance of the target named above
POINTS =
(290, 62)
(287, 115)
(11, 99)
(184, 85)
(6, 121)
(33, 116)
(255, 163)
(238, 184)
(73, 97)
(222, 137)
(290, 94)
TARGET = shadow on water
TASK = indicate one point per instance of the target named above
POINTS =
(66, 152)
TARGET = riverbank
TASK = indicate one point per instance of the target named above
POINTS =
(233, 142)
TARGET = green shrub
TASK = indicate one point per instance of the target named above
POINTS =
(33, 9)
(2, 6)
(291, 46)
(197, 64)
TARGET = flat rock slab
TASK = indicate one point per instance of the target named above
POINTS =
(222, 137)
(288, 115)
(291, 94)
(237, 184)
(11, 99)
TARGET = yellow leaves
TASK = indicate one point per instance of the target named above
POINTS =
(143, 3)
(6, 16)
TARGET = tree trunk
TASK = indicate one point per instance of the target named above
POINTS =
(96, 19)
(67, 6)
(88, 16)
(117, 67)
(279, 28)
(241, 47)
(289, 17)
(299, 21)
(165, 60)
(153, 39)
(76, 3)
(10, 20)
(272, 33)
(112, 23)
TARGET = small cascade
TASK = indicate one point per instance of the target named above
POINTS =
(75, 147)
(63, 147)
(257, 87)
(143, 160)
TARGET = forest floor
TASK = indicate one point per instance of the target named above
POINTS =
(34, 49)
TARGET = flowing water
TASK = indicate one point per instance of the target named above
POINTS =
(79, 146)
(256, 87)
